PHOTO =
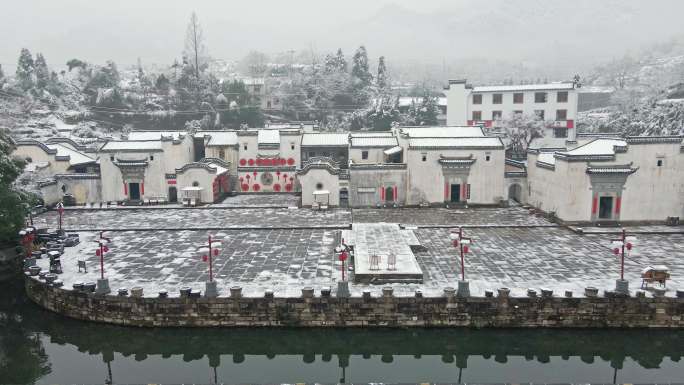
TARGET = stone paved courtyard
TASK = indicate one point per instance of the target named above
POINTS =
(287, 259)
(200, 218)
(431, 217)
(259, 200)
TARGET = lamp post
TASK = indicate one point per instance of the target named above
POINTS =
(462, 243)
(208, 252)
(60, 210)
(619, 246)
(102, 243)
(343, 252)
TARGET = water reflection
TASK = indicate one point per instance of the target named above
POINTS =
(38, 346)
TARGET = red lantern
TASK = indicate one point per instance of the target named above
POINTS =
(290, 161)
(259, 161)
(276, 187)
(216, 251)
(616, 251)
(343, 256)
(288, 187)
(291, 179)
(245, 187)
(285, 175)
(97, 252)
(243, 162)
(255, 173)
(248, 176)
(629, 246)
(256, 187)
(242, 179)
(465, 249)
(455, 242)
(105, 249)
(204, 258)
(251, 162)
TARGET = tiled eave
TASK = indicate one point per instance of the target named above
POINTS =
(654, 139)
(515, 174)
(381, 166)
(583, 158)
(545, 165)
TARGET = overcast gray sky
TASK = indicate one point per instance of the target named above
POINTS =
(557, 31)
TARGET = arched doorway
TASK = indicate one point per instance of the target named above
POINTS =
(173, 194)
(389, 194)
(515, 193)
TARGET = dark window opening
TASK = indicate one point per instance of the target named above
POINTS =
(562, 97)
(319, 186)
(660, 162)
(487, 158)
(518, 98)
(477, 99)
(497, 98)
(151, 157)
(560, 132)
(540, 97)
(364, 154)
(424, 157)
(477, 115)
(561, 114)
(496, 115)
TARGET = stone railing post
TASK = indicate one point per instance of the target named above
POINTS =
(235, 292)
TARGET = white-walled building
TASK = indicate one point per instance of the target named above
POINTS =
(631, 179)
(554, 103)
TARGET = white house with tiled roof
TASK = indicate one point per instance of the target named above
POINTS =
(610, 179)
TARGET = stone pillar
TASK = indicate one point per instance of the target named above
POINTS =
(103, 286)
(546, 293)
(463, 289)
(210, 290)
(419, 293)
(504, 292)
(308, 292)
(343, 289)
(568, 294)
(137, 292)
(449, 292)
(268, 294)
(621, 287)
(658, 293)
(387, 292)
(591, 292)
(235, 292)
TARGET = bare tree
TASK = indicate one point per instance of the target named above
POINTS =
(194, 45)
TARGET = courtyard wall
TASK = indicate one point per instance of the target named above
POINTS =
(366, 311)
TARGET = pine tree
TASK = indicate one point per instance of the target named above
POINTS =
(12, 202)
(2, 75)
(360, 71)
(25, 69)
(381, 80)
(42, 72)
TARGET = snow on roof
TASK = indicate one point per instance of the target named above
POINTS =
(219, 168)
(154, 135)
(443, 132)
(546, 157)
(393, 150)
(219, 138)
(374, 141)
(526, 87)
(406, 101)
(132, 145)
(75, 157)
(312, 139)
(268, 136)
(548, 142)
(374, 134)
(597, 147)
(484, 142)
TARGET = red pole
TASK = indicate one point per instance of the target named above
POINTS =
(211, 271)
(622, 259)
(101, 257)
(460, 243)
(342, 271)
(60, 219)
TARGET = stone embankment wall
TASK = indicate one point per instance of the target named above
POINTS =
(366, 311)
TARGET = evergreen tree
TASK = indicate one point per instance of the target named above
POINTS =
(162, 83)
(381, 80)
(42, 72)
(25, 69)
(336, 63)
(12, 202)
(361, 78)
(73, 63)
(2, 75)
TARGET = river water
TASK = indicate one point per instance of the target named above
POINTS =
(37, 346)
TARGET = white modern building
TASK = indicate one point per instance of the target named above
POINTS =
(553, 103)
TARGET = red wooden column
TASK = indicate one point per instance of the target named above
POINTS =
(382, 193)
(594, 204)
(125, 189)
(142, 188)
(446, 191)
(618, 204)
